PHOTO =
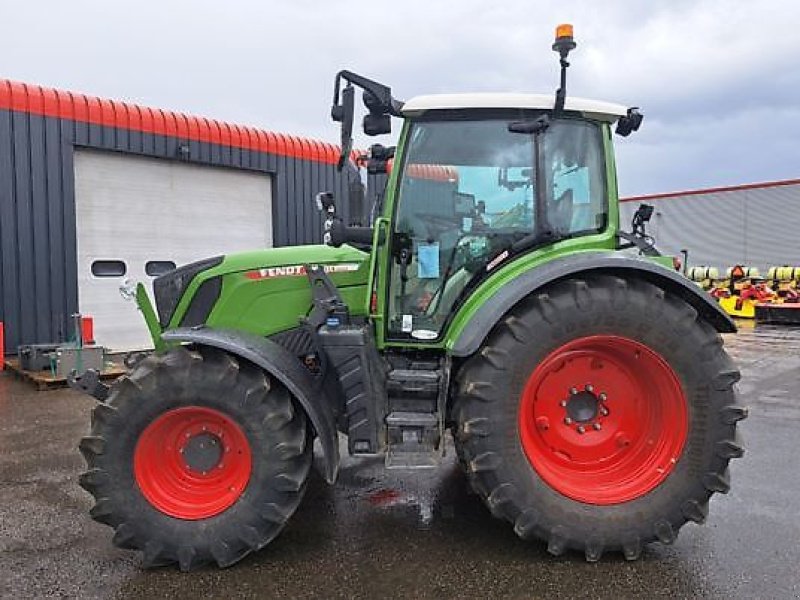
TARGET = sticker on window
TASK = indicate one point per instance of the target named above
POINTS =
(424, 334)
(428, 261)
(408, 324)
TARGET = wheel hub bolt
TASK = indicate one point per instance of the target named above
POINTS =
(567, 421)
(573, 390)
(581, 429)
(597, 426)
(604, 411)
(602, 396)
(589, 387)
(563, 404)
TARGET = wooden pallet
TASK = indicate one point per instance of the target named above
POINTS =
(45, 380)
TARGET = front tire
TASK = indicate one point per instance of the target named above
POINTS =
(196, 457)
(599, 415)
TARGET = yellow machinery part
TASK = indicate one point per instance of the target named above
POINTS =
(784, 274)
(702, 273)
(703, 276)
(736, 307)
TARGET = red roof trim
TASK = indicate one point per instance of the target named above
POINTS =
(32, 99)
(731, 188)
(444, 173)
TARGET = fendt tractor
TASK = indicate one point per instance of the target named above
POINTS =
(495, 295)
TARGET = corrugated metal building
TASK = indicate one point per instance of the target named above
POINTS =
(755, 225)
(94, 190)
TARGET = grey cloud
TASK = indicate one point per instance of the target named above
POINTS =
(709, 74)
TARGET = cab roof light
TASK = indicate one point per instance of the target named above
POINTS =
(564, 31)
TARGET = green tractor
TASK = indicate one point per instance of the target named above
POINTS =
(586, 388)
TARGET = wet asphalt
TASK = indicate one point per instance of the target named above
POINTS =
(414, 534)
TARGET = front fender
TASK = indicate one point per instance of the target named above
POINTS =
(577, 265)
(285, 367)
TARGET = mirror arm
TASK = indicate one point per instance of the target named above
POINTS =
(342, 107)
(383, 93)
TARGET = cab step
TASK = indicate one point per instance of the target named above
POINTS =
(413, 440)
(414, 421)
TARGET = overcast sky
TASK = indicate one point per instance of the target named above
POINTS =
(718, 81)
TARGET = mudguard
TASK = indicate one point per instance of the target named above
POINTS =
(285, 367)
(576, 265)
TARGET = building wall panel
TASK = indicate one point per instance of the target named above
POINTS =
(38, 261)
(9, 277)
(751, 225)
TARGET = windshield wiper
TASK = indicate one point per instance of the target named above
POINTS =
(530, 126)
(532, 240)
(542, 229)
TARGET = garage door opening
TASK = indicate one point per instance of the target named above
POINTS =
(138, 217)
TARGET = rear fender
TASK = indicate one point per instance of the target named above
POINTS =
(284, 367)
(582, 265)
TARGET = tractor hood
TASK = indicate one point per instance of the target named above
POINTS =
(262, 291)
(293, 255)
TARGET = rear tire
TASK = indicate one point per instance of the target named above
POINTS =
(196, 457)
(650, 453)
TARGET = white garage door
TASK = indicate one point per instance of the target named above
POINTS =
(137, 216)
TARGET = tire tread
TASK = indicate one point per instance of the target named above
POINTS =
(602, 301)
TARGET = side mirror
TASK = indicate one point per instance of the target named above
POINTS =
(642, 215)
(377, 98)
(378, 121)
(630, 122)
(344, 114)
(377, 124)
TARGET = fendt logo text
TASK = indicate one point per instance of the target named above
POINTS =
(298, 270)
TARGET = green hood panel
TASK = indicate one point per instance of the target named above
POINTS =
(267, 291)
(290, 255)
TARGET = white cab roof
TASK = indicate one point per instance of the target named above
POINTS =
(595, 109)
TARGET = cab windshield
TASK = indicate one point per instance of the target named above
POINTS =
(472, 193)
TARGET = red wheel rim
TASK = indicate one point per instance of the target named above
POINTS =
(192, 462)
(603, 419)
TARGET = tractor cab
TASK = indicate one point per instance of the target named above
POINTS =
(476, 188)
(478, 181)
